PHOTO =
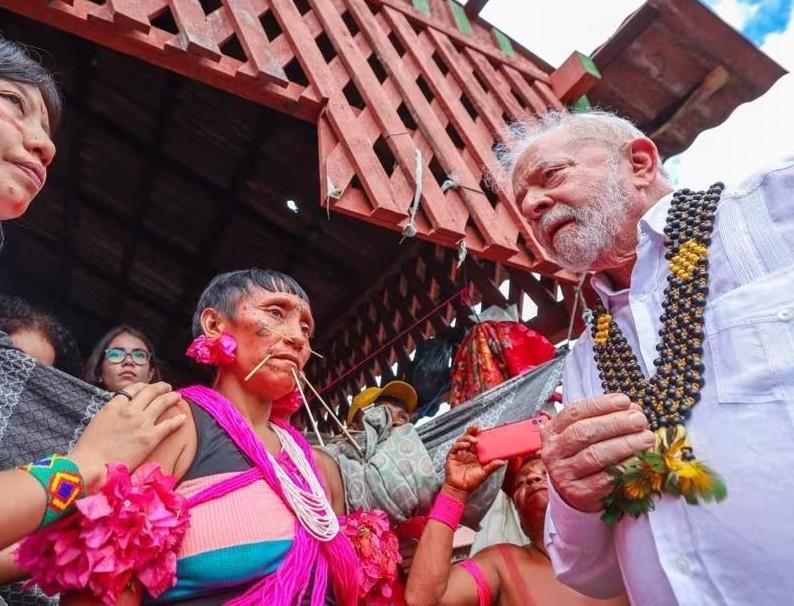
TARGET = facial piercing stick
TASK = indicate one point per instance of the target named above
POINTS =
(289, 339)
(306, 405)
(341, 425)
(256, 368)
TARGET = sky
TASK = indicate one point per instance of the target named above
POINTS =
(754, 135)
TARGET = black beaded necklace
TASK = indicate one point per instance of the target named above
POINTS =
(668, 396)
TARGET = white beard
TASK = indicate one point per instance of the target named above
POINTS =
(592, 235)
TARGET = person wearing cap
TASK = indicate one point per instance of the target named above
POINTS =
(397, 396)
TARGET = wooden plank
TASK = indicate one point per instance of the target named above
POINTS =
(422, 6)
(339, 115)
(574, 78)
(83, 20)
(459, 117)
(524, 90)
(434, 24)
(491, 295)
(460, 69)
(193, 35)
(546, 93)
(482, 214)
(251, 36)
(499, 88)
(445, 223)
(504, 42)
(533, 287)
(135, 13)
(461, 19)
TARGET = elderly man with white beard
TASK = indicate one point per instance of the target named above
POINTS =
(683, 385)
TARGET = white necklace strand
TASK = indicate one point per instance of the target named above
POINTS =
(312, 508)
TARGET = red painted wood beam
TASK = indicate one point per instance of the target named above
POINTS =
(87, 20)
(577, 75)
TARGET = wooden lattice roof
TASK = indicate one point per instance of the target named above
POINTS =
(190, 123)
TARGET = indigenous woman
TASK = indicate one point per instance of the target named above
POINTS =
(262, 528)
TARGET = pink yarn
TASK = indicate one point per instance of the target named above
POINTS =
(447, 511)
(483, 589)
(308, 559)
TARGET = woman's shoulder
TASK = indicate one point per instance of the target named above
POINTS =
(176, 452)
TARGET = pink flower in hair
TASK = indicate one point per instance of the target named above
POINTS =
(218, 351)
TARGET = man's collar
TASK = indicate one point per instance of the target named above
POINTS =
(652, 222)
(655, 217)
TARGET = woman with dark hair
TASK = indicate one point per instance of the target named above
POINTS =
(39, 334)
(263, 506)
(123, 356)
(30, 109)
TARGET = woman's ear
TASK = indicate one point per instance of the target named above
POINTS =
(213, 322)
(645, 162)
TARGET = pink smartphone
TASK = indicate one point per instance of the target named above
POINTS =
(504, 442)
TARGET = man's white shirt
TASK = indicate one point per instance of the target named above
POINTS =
(739, 552)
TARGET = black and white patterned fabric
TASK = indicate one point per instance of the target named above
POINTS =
(42, 410)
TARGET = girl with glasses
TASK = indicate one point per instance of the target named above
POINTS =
(122, 357)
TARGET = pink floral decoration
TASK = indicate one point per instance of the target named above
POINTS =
(218, 351)
(378, 551)
(285, 407)
(130, 530)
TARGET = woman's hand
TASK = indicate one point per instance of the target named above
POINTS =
(126, 431)
(464, 472)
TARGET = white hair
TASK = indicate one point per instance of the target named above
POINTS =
(598, 125)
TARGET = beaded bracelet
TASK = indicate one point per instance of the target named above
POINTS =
(62, 482)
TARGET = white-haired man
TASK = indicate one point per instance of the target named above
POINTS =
(696, 324)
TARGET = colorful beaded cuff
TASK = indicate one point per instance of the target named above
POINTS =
(62, 482)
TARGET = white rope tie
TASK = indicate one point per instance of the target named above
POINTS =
(451, 182)
(576, 296)
(409, 231)
(462, 252)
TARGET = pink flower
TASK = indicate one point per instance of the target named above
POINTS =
(131, 529)
(377, 548)
(217, 351)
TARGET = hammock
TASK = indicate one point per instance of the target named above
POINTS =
(402, 468)
(44, 410)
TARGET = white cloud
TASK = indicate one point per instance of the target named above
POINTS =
(755, 135)
(553, 29)
(735, 12)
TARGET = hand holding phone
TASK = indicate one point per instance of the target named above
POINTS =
(504, 442)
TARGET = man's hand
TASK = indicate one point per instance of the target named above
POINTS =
(126, 431)
(587, 438)
(463, 472)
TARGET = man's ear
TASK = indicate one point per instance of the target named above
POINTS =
(644, 160)
(213, 323)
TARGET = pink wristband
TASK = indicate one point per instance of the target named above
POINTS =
(447, 511)
(483, 590)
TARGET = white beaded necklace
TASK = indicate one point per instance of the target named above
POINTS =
(312, 507)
